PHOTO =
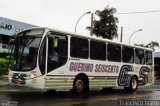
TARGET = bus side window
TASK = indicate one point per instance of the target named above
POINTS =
(139, 56)
(52, 49)
(79, 47)
(127, 54)
(114, 52)
(97, 50)
(148, 57)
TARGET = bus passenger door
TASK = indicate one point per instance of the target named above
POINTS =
(57, 51)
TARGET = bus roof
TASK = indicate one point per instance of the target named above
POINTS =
(93, 38)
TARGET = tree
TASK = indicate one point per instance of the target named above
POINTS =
(106, 26)
(152, 44)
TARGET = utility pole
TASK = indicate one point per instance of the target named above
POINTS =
(91, 33)
(121, 34)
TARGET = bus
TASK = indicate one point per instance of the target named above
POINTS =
(50, 59)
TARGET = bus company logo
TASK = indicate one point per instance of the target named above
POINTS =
(5, 26)
(88, 67)
(124, 77)
(143, 74)
(85, 67)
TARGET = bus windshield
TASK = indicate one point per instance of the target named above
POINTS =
(25, 49)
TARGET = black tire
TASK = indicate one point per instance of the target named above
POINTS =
(133, 85)
(80, 85)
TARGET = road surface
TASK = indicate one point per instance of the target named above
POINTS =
(11, 96)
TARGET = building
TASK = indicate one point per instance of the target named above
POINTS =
(8, 28)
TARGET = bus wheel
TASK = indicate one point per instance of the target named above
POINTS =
(133, 85)
(80, 85)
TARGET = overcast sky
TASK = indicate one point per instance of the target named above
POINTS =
(63, 15)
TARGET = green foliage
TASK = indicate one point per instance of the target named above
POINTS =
(151, 45)
(106, 26)
(4, 63)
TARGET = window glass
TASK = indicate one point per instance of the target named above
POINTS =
(25, 50)
(97, 50)
(79, 47)
(57, 51)
(114, 52)
(148, 57)
(128, 55)
(139, 56)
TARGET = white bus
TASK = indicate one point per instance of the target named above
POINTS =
(49, 59)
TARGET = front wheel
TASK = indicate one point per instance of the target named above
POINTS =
(80, 86)
(133, 85)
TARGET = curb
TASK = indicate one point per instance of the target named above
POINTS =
(4, 77)
(4, 85)
(4, 80)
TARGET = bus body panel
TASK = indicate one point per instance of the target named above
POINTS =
(17, 79)
(98, 75)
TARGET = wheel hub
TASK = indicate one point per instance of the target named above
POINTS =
(79, 85)
(134, 84)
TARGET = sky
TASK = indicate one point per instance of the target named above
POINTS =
(63, 15)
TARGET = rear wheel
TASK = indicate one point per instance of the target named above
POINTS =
(80, 85)
(133, 85)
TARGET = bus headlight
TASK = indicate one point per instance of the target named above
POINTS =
(9, 74)
(31, 76)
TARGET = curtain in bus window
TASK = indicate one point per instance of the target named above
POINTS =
(148, 57)
(139, 56)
